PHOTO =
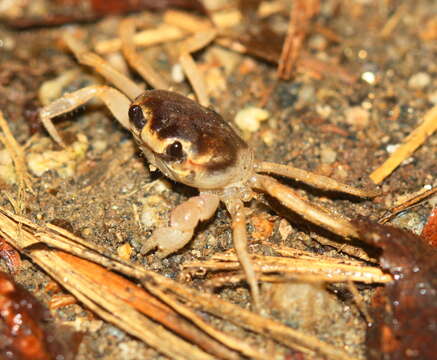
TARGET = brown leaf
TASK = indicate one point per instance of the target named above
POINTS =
(405, 311)
(23, 334)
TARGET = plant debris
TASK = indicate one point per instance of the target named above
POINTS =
(411, 143)
(301, 14)
(404, 312)
(24, 14)
(24, 333)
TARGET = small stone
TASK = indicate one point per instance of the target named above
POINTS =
(99, 146)
(284, 229)
(369, 77)
(268, 137)
(324, 111)
(263, 227)
(86, 232)
(124, 251)
(419, 81)
(327, 155)
(249, 119)
(391, 148)
(357, 117)
(340, 173)
(64, 161)
(153, 206)
(177, 74)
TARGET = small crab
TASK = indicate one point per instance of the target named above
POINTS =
(192, 144)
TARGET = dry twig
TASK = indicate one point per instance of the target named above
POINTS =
(17, 155)
(409, 203)
(300, 16)
(178, 25)
(121, 302)
(411, 143)
(320, 268)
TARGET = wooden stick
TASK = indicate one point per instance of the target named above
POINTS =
(411, 143)
(324, 269)
(109, 295)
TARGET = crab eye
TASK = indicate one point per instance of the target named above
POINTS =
(175, 150)
(136, 116)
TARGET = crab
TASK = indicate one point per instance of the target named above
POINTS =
(192, 144)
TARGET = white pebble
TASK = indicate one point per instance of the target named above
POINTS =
(177, 73)
(324, 111)
(419, 81)
(391, 148)
(328, 155)
(249, 119)
(368, 77)
(357, 116)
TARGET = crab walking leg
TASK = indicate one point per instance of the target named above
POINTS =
(316, 215)
(315, 180)
(85, 57)
(117, 103)
(239, 234)
(192, 44)
(183, 220)
(127, 32)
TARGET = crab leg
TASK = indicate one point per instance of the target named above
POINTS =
(85, 57)
(239, 234)
(315, 180)
(117, 103)
(316, 215)
(184, 219)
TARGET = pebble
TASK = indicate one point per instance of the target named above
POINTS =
(100, 146)
(250, 118)
(152, 207)
(369, 77)
(419, 81)
(124, 251)
(411, 221)
(268, 137)
(324, 111)
(64, 162)
(177, 74)
(327, 155)
(284, 229)
(357, 117)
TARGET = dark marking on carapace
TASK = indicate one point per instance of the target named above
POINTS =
(176, 116)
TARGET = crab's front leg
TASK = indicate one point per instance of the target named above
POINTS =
(183, 220)
(117, 103)
(293, 201)
(239, 234)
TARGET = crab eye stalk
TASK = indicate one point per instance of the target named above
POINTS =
(175, 151)
(136, 116)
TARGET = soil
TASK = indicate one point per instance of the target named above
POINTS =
(318, 123)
